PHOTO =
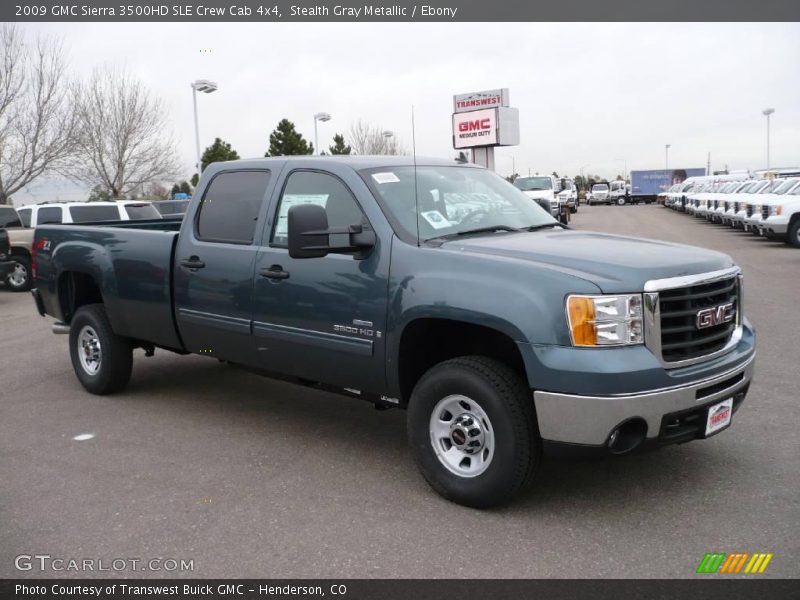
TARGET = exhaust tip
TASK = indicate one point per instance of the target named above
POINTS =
(627, 437)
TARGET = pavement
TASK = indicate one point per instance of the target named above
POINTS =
(247, 477)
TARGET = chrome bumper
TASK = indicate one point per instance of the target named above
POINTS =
(590, 419)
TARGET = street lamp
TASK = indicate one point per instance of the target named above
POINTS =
(206, 87)
(666, 156)
(387, 135)
(767, 112)
(320, 116)
(625, 162)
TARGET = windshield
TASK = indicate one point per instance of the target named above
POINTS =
(527, 184)
(600, 187)
(451, 200)
(785, 186)
(139, 212)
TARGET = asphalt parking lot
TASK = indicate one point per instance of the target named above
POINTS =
(254, 478)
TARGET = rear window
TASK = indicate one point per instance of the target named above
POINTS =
(50, 214)
(9, 217)
(172, 207)
(139, 212)
(230, 205)
(25, 216)
(86, 214)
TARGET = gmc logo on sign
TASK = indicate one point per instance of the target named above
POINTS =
(717, 315)
(475, 125)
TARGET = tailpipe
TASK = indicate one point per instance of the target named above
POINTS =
(60, 328)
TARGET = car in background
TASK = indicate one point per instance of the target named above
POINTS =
(172, 208)
(6, 264)
(755, 209)
(86, 212)
(781, 218)
(9, 217)
(599, 194)
(569, 194)
(544, 189)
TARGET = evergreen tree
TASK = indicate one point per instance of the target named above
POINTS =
(195, 178)
(286, 141)
(219, 151)
(185, 188)
(175, 190)
(339, 146)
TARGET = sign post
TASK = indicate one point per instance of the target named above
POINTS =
(483, 120)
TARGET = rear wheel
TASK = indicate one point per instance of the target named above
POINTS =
(19, 278)
(793, 237)
(102, 360)
(473, 432)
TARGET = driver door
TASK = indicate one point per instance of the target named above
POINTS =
(322, 319)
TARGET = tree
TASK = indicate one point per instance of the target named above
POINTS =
(194, 180)
(122, 140)
(462, 157)
(286, 141)
(371, 139)
(36, 119)
(99, 194)
(339, 145)
(512, 178)
(219, 151)
(185, 188)
(580, 182)
(176, 189)
(555, 174)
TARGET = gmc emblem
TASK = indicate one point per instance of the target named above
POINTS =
(717, 315)
(475, 125)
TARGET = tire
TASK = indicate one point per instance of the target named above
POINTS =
(19, 279)
(102, 360)
(495, 397)
(793, 233)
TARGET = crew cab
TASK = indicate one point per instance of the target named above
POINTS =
(422, 284)
(545, 190)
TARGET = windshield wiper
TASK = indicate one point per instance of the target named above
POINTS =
(545, 226)
(487, 229)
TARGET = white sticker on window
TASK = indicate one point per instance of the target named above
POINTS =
(290, 200)
(436, 219)
(387, 177)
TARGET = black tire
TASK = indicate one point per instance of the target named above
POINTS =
(506, 401)
(116, 353)
(793, 233)
(22, 268)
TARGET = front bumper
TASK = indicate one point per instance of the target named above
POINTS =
(778, 225)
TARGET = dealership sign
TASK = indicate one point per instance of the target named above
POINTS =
(475, 128)
(480, 100)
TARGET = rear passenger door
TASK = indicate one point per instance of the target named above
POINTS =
(215, 259)
(49, 214)
(322, 319)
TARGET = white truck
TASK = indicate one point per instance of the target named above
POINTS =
(545, 190)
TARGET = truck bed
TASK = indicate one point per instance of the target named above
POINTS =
(132, 263)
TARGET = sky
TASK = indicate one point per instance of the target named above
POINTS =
(601, 97)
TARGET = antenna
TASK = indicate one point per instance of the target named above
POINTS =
(414, 156)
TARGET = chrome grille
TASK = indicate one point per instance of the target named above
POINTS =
(680, 337)
(765, 212)
(749, 210)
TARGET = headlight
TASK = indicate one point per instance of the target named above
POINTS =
(775, 210)
(605, 320)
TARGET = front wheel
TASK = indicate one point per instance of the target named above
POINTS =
(102, 360)
(472, 429)
(793, 234)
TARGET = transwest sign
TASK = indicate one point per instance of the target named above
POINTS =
(480, 100)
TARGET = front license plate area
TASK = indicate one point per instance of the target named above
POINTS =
(719, 416)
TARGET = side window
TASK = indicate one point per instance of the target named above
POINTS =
(229, 208)
(25, 216)
(312, 187)
(49, 214)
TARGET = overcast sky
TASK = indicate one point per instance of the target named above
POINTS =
(589, 95)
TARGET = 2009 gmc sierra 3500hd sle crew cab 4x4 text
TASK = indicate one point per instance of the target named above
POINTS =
(437, 287)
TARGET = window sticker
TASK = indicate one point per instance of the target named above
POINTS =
(290, 200)
(436, 219)
(387, 177)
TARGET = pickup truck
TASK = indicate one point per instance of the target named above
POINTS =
(6, 264)
(433, 286)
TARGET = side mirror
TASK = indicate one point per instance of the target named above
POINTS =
(309, 234)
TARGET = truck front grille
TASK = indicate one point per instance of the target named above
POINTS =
(736, 207)
(680, 337)
(749, 210)
(727, 206)
(765, 212)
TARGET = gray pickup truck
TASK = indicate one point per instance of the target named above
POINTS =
(436, 287)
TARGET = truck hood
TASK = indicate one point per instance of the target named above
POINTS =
(536, 194)
(612, 262)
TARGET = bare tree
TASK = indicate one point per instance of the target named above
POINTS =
(371, 139)
(36, 121)
(122, 137)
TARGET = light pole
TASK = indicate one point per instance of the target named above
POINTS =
(666, 156)
(320, 116)
(387, 135)
(767, 112)
(205, 86)
(624, 161)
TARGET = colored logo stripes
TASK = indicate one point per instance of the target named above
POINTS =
(738, 562)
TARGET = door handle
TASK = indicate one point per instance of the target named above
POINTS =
(193, 262)
(274, 272)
